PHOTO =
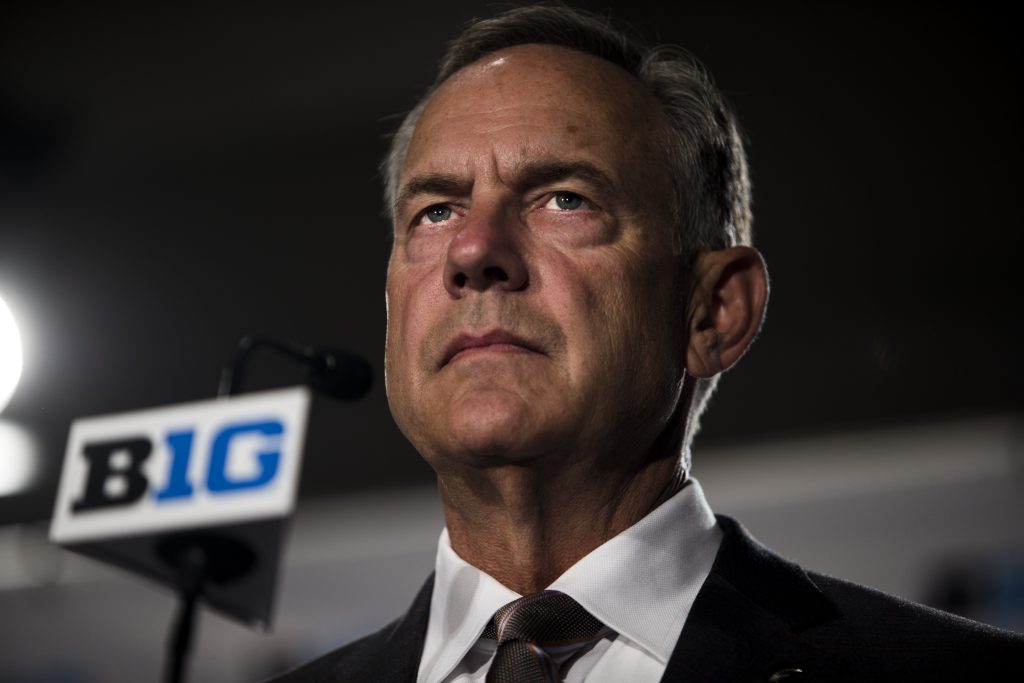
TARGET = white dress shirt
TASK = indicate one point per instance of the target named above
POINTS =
(641, 584)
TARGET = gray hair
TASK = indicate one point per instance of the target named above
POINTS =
(705, 149)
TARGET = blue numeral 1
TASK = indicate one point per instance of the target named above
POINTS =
(177, 486)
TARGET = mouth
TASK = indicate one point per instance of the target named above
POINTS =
(498, 341)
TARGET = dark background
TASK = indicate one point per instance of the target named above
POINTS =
(173, 177)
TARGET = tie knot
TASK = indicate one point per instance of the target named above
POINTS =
(547, 617)
(539, 636)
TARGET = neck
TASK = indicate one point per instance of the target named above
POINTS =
(526, 526)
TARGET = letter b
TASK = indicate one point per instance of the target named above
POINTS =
(102, 470)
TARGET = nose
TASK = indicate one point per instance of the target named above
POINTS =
(485, 253)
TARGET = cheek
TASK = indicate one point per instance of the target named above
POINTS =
(408, 312)
(428, 248)
(584, 295)
(620, 321)
(406, 328)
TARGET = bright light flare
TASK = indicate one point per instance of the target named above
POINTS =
(19, 458)
(10, 355)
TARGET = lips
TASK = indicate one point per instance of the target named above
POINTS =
(498, 341)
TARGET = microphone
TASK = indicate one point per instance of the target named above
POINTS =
(332, 372)
(341, 375)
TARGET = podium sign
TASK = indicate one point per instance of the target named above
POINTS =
(225, 468)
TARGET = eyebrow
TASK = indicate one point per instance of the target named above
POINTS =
(525, 175)
(545, 171)
(429, 183)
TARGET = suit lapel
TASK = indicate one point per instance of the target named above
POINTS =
(397, 659)
(747, 621)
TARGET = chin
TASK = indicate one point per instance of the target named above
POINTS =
(495, 430)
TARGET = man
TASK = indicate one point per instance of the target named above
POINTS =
(571, 271)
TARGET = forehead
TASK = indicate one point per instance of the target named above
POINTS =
(535, 100)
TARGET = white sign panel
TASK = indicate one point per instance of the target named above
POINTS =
(184, 466)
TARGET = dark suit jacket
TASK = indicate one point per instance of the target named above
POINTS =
(758, 617)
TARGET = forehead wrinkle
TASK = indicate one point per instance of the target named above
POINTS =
(509, 155)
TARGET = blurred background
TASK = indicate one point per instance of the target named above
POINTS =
(175, 176)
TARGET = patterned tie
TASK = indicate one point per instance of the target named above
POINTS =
(539, 636)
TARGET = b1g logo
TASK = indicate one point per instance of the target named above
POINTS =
(116, 475)
(196, 464)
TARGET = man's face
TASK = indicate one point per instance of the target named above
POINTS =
(533, 295)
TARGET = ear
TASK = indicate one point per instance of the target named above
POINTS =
(726, 308)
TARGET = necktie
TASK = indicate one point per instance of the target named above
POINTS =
(538, 637)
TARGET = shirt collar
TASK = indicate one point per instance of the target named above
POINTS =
(641, 583)
(464, 600)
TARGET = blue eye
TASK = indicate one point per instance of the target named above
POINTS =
(568, 201)
(437, 213)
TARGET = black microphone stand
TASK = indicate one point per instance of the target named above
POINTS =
(197, 557)
(191, 567)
